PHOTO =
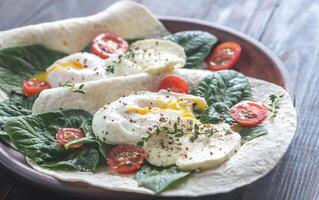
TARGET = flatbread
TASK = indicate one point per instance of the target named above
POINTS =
(253, 160)
(130, 20)
(98, 93)
(127, 19)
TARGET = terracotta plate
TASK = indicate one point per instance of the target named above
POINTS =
(255, 61)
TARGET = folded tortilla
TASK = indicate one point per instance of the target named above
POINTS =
(130, 20)
(253, 160)
(127, 19)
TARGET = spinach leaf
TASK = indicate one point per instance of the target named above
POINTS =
(9, 109)
(222, 90)
(215, 113)
(160, 179)
(227, 86)
(197, 45)
(249, 133)
(22, 100)
(85, 160)
(132, 40)
(20, 63)
(87, 48)
(34, 136)
(90, 139)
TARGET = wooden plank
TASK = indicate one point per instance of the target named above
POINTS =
(246, 16)
(7, 182)
(293, 34)
(16, 13)
(249, 17)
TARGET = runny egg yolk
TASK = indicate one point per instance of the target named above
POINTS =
(43, 76)
(181, 104)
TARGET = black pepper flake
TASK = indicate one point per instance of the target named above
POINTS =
(228, 132)
(162, 119)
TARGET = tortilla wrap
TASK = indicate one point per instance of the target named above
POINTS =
(130, 20)
(253, 160)
(126, 19)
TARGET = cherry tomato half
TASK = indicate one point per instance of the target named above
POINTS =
(32, 87)
(66, 135)
(225, 56)
(175, 84)
(126, 158)
(107, 44)
(249, 113)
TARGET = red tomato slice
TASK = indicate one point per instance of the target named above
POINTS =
(249, 113)
(126, 158)
(32, 87)
(225, 56)
(175, 84)
(107, 44)
(66, 135)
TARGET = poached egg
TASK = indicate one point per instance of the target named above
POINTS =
(131, 118)
(149, 55)
(75, 68)
(190, 145)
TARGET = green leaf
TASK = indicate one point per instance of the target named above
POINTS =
(197, 45)
(132, 40)
(249, 133)
(87, 48)
(21, 63)
(274, 105)
(90, 138)
(34, 136)
(9, 109)
(23, 101)
(215, 113)
(85, 160)
(222, 90)
(160, 179)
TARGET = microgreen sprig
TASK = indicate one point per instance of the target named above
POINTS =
(74, 88)
(273, 106)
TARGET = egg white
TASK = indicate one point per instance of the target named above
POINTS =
(62, 71)
(116, 123)
(149, 55)
(189, 148)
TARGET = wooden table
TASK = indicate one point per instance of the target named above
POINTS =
(290, 28)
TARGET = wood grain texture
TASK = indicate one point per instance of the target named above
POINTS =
(293, 34)
(246, 16)
(288, 27)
